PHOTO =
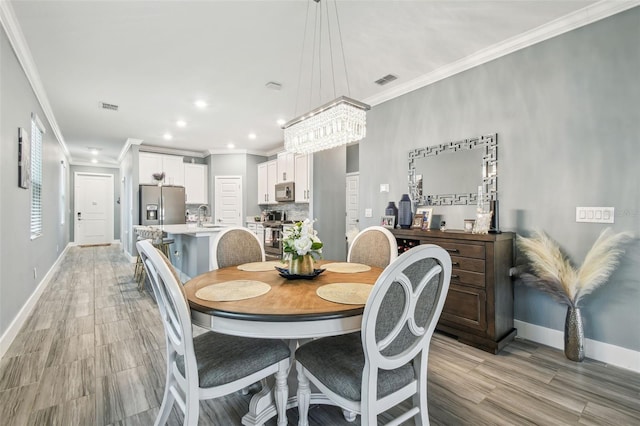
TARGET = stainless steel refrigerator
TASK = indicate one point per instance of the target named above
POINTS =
(162, 205)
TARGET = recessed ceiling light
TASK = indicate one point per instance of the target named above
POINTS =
(281, 122)
(200, 103)
(94, 151)
(181, 123)
(252, 136)
(167, 136)
(230, 145)
(94, 160)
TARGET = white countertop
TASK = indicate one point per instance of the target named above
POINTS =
(191, 229)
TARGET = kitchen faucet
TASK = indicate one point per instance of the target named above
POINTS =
(200, 208)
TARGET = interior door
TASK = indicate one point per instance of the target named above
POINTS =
(228, 200)
(352, 220)
(93, 208)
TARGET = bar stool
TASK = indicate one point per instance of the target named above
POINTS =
(141, 234)
(158, 241)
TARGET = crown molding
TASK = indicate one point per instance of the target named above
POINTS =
(587, 15)
(90, 164)
(23, 53)
(172, 151)
(242, 151)
(126, 147)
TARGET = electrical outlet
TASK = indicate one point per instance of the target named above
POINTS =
(384, 187)
(368, 213)
(595, 214)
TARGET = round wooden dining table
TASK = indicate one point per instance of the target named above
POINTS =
(290, 310)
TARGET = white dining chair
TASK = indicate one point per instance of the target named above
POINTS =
(369, 372)
(373, 246)
(234, 246)
(210, 365)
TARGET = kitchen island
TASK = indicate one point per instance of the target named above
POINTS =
(191, 250)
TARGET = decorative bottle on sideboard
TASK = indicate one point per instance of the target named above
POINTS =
(405, 216)
(392, 210)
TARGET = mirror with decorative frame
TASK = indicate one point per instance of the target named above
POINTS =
(450, 173)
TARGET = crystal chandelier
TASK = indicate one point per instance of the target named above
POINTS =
(336, 123)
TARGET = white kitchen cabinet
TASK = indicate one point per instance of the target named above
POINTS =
(195, 183)
(285, 167)
(173, 168)
(151, 163)
(258, 230)
(267, 175)
(148, 165)
(303, 177)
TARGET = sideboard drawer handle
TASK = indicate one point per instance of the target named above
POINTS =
(455, 276)
(455, 264)
(452, 250)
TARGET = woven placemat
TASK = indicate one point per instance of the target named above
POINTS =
(346, 267)
(345, 293)
(233, 290)
(261, 266)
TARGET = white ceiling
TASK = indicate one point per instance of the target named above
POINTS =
(154, 59)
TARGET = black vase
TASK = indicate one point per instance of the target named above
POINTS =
(405, 217)
(392, 210)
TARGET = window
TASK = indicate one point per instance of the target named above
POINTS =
(37, 130)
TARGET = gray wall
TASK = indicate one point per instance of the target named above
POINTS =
(251, 186)
(353, 158)
(19, 255)
(567, 117)
(329, 201)
(116, 195)
(237, 165)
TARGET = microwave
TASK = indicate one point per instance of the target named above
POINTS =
(285, 192)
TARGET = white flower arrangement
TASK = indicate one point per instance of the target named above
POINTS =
(301, 239)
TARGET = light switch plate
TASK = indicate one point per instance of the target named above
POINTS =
(368, 213)
(595, 214)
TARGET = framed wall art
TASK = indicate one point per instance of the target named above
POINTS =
(24, 159)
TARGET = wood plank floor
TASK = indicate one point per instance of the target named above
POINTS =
(93, 353)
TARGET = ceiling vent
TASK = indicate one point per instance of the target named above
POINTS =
(110, 107)
(273, 85)
(386, 79)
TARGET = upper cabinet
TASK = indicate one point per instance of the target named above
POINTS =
(303, 177)
(267, 176)
(285, 167)
(151, 163)
(195, 183)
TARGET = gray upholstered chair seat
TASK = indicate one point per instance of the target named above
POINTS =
(223, 359)
(341, 364)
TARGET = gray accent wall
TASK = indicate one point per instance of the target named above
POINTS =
(329, 201)
(567, 117)
(116, 195)
(20, 256)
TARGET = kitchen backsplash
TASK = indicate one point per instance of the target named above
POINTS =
(293, 211)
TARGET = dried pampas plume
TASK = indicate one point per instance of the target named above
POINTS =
(554, 274)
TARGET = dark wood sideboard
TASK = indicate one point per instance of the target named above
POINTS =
(479, 306)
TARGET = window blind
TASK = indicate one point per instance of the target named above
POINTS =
(36, 177)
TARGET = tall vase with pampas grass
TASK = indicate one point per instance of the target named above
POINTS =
(553, 273)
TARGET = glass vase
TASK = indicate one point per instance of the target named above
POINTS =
(301, 265)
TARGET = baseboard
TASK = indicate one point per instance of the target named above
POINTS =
(17, 323)
(594, 349)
